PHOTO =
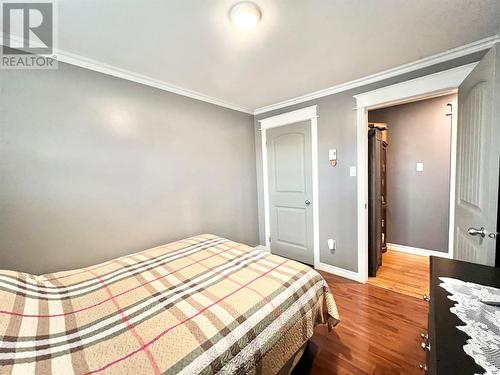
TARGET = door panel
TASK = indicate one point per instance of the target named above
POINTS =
(291, 224)
(478, 151)
(290, 186)
(289, 162)
(472, 113)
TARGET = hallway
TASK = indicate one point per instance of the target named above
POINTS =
(403, 273)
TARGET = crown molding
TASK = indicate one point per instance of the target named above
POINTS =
(83, 62)
(97, 66)
(451, 54)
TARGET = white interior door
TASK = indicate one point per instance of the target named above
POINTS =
(478, 152)
(290, 191)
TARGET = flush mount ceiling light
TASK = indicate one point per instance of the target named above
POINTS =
(245, 15)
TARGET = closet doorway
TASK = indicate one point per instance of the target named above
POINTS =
(409, 189)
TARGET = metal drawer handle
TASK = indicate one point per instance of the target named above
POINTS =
(425, 297)
(426, 346)
(423, 367)
(424, 335)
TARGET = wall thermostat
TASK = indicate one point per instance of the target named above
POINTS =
(332, 156)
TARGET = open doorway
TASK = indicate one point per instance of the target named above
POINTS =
(409, 188)
(475, 153)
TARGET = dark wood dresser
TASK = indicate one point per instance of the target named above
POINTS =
(444, 342)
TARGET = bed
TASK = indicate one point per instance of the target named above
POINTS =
(200, 305)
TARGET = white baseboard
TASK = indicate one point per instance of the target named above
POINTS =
(417, 251)
(340, 272)
(327, 268)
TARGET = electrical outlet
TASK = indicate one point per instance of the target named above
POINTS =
(332, 244)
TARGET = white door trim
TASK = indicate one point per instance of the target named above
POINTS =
(303, 114)
(415, 89)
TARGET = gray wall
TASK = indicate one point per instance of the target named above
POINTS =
(418, 209)
(94, 167)
(337, 191)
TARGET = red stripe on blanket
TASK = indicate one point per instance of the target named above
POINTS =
(113, 261)
(119, 294)
(152, 341)
(130, 327)
(265, 298)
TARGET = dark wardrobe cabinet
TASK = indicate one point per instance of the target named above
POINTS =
(377, 199)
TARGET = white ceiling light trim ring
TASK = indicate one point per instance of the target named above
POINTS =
(245, 15)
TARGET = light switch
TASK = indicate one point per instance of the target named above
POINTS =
(352, 171)
(420, 167)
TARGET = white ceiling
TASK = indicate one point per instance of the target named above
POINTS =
(299, 47)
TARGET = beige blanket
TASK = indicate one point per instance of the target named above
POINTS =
(201, 305)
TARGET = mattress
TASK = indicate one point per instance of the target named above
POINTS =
(200, 305)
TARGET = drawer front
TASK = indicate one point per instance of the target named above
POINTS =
(431, 354)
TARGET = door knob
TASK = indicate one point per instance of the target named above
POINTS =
(307, 202)
(493, 235)
(477, 232)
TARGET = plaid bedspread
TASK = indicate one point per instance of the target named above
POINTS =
(201, 305)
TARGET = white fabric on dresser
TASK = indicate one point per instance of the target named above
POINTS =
(482, 322)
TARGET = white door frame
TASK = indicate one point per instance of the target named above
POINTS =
(303, 114)
(416, 89)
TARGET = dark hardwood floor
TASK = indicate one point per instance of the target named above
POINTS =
(379, 333)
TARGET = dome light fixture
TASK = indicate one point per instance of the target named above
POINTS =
(245, 15)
